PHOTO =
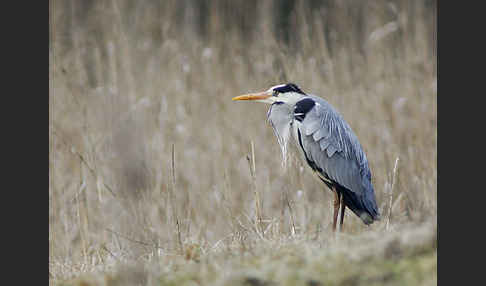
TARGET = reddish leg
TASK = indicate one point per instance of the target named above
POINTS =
(336, 208)
(343, 208)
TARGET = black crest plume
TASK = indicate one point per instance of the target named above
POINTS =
(289, 87)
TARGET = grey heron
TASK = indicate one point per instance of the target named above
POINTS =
(326, 143)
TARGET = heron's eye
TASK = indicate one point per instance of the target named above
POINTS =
(275, 93)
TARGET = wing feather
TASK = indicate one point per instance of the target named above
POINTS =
(323, 144)
(311, 127)
(323, 122)
(331, 149)
(332, 145)
(319, 134)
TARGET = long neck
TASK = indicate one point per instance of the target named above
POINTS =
(280, 115)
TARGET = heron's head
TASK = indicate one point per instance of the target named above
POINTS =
(282, 98)
(284, 93)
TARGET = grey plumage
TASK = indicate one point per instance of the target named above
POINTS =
(331, 145)
(325, 142)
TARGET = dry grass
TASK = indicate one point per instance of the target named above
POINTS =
(150, 180)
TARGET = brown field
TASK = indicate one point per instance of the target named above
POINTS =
(150, 162)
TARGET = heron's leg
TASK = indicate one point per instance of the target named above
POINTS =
(343, 208)
(336, 208)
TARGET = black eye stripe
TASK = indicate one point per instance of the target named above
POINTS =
(290, 87)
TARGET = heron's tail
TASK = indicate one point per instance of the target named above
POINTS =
(364, 206)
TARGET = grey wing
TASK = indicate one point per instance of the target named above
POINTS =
(329, 142)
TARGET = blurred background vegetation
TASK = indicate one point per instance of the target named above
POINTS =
(146, 144)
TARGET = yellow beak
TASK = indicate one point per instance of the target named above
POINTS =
(254, 96)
